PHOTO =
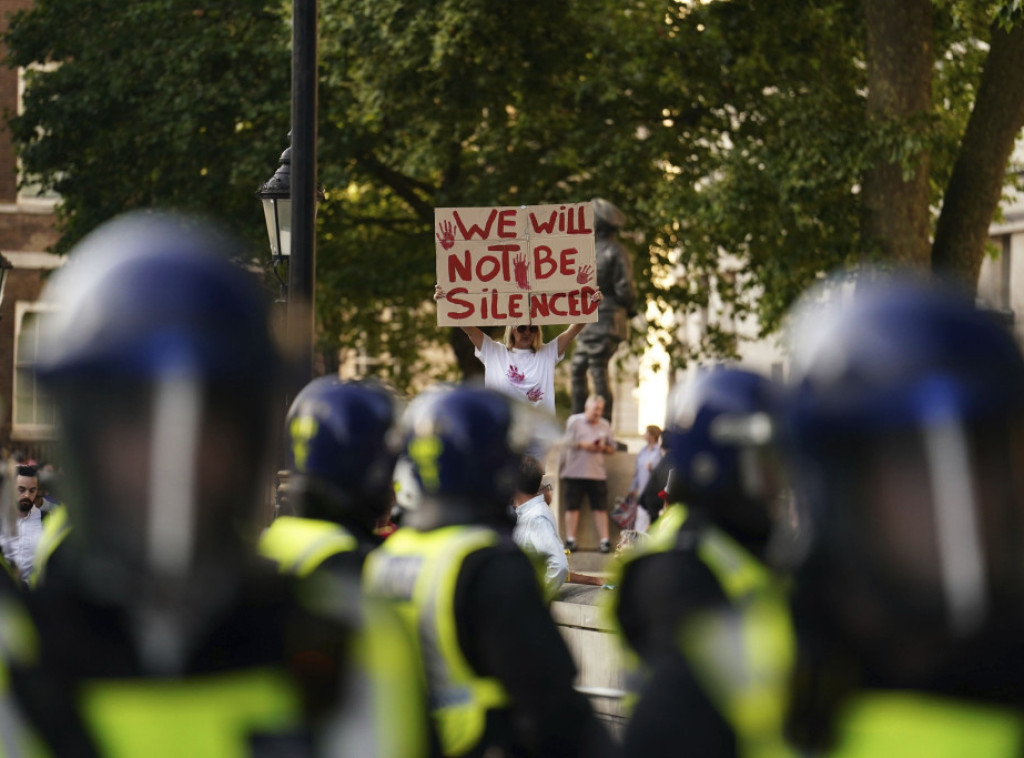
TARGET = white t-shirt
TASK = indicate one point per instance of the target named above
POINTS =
(522, 374)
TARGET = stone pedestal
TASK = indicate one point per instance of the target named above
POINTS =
(584, 625)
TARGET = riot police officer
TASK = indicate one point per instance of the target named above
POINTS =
(159, 632)
(905, 433)
(499, 675)
(706, 571)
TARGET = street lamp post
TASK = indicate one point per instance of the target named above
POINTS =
(302, 267)
(290, 196)
(276, 196)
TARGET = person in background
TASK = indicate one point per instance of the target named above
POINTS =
(522, 365)
(499, 674)
(650, 497)
(905, 426)
(647, 459)
(19, 547)
(536, 531)
(588, 439)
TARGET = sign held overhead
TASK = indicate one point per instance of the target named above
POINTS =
(526, 264)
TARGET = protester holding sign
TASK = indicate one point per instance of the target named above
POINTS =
(519, 267)
(522, 365)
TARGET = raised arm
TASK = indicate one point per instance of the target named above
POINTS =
(570, 334)
(475, 335)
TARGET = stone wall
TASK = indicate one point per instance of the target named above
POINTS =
(581, 618)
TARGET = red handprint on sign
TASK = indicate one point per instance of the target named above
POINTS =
(447, 235)
(522, 270)
(583, 275)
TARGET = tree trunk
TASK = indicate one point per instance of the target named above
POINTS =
(899, 71)
(979, 173)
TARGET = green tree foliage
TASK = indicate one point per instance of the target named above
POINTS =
(157, 102)
(739, 137)
(469, 104)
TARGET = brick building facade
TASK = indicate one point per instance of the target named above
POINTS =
(27, 231)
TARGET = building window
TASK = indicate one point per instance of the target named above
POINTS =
(30, 191)
(34, 416)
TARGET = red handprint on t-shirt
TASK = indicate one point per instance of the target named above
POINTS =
(447, 235)
(515, 376)
(522, 269)
(583, 275)
(534, 395)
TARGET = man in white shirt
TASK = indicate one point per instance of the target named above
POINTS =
(19, 548)
(536, 532)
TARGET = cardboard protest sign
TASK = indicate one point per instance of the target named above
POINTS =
(527, 264)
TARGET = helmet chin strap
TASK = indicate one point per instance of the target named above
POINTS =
(956, 518)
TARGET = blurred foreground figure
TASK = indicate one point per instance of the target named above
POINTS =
(158, 631)
(700, 604)
(908, 449)
(499, 674)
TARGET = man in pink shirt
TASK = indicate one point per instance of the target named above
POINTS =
(588, 439)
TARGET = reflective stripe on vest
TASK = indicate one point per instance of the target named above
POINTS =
(739, 573)
(392, 684)
(300, 545)
(664, 530)
(663, 536)
(215, 715)
(55, 529)
(19, 645)
(418, 571)
(744, 655)
(912, 725)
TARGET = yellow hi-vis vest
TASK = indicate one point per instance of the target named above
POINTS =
(418, 572)
(917, 725)
(387, 669)
(212, 715)
(55, 529)
(300, 545)
(743, 657)
(19, 644)
(216, 714)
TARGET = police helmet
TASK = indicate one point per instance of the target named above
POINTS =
(719, 434)
(165, 377)
(341, 447)
(464, 445)
(904, 428)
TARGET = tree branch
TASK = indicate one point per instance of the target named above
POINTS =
(979, 174)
